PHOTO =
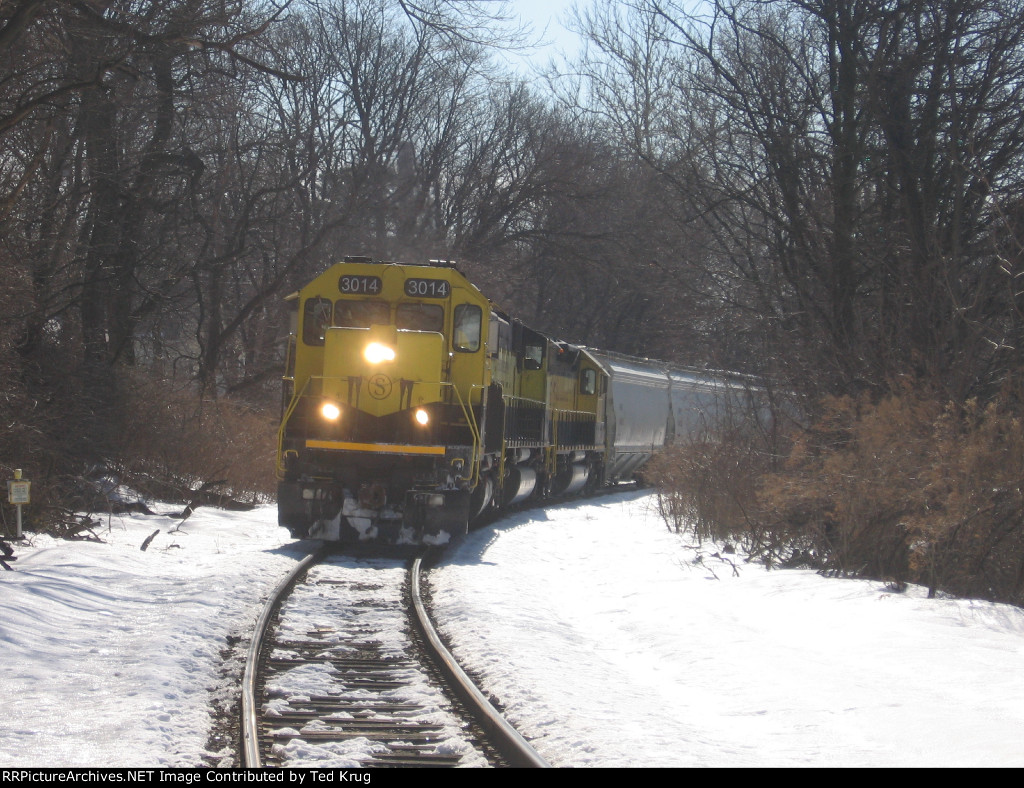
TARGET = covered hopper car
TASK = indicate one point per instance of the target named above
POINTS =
(412, 405)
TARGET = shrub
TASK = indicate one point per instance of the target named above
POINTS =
(180, 441)
(707, 485)
(159, 439)
(850, 482)
(907, 488)
(969, 530)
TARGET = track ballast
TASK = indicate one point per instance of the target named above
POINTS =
(346, 680)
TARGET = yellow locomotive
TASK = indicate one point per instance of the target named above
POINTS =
(412, 405)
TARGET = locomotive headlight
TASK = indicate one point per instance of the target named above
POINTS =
(422, 417)
(375, 353)
(330, 411)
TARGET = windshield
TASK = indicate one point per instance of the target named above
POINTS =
(361, 314)
(420, 317)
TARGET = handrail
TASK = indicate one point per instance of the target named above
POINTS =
(474, 429)
(559, 417)
(296, 396)
(510, 397)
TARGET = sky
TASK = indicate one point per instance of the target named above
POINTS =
(545, 18)
(541, 14)
(609, 641)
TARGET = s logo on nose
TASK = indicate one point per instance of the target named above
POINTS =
(380, 386)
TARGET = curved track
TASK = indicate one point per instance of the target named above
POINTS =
(345, 682)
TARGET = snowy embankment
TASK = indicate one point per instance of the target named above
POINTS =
(110, 656)
(596, 628)
(610, 645)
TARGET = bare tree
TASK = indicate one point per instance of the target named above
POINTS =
(844, 161)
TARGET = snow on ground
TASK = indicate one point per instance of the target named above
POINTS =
(592, 624)
(610, 646)
(110, 656)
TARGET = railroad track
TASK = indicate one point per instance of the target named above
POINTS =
(347, 671)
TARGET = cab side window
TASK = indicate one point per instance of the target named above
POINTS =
(467, 323)
(588, 382)
(533, 357)
(316, 317)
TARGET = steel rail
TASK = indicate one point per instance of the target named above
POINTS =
(250, 718)
(506, 738)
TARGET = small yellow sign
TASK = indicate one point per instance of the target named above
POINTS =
(19, 492)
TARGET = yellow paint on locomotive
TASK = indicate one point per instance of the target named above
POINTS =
(382, 339)
(410, 379)
(433, 318)
(561, 386)
(591, 390)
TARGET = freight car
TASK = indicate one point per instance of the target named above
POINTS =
(412, 405)
(651, 404)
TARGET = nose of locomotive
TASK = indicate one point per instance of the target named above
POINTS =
(382, 369)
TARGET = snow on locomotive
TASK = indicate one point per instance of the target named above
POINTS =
(412, 405)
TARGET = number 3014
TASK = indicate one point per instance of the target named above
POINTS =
(359, 284)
